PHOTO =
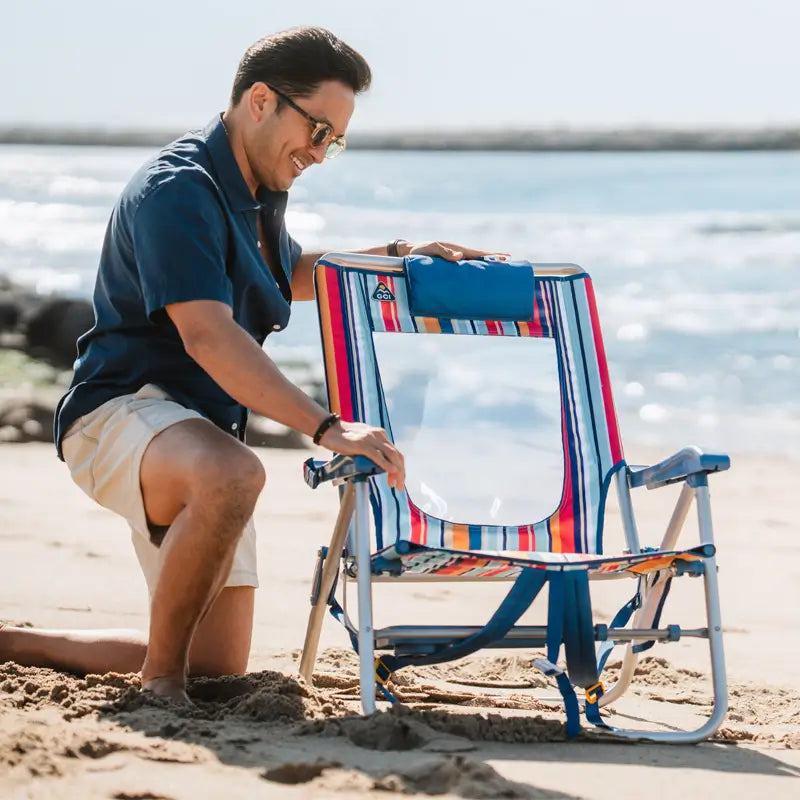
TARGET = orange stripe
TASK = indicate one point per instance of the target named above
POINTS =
(460, 535)
(327, 339)
(429, 324)
(555, 534)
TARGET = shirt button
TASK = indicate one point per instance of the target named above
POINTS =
(276, 327)
(258, 244)
(235, 426)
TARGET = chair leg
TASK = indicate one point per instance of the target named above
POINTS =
(329, 570)
(366, 634)
(716, 650)
(718, 678)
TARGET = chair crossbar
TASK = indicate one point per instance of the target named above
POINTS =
(430, 634)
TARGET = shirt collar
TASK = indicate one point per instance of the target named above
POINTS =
(231, 178)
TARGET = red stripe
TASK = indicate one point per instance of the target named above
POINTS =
(526, 539)
(418, 524)
(339, 339)
(605, 381)
(565, 513)
(388, 308)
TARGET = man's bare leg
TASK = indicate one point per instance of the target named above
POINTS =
(80, 651)
(204, 484)
(221, 644)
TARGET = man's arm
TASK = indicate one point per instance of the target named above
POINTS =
(303, 275)
(242, 369)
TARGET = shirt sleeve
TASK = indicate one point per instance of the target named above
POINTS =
(295, 251)
(180, 242)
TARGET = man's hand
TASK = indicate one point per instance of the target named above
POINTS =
(356, 438)
(447, 251)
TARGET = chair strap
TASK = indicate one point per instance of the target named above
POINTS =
(626, 612)
(518, 600)
(620, 620)
(557, 609)
(567, 621)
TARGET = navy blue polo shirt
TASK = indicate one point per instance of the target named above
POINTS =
(183, 229)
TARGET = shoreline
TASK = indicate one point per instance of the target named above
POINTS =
(549, 139)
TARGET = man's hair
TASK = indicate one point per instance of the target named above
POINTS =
(298, 60)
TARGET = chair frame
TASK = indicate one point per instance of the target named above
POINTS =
(352, 536)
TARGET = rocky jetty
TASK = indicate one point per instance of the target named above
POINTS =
(37, 351)
(508, 139)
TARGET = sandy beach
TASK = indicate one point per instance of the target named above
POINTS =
(488, 727)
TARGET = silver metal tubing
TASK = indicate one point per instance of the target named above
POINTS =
(679, 514)
(400, 634)
(713, 613)
(626, 511)
(718, 677)
(714, 618)
(366, 261)
(704, 515)
(366, 637)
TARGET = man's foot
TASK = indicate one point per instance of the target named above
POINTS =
(172, 689)
(6, 649)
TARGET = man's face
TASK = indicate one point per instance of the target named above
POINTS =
(278, 143)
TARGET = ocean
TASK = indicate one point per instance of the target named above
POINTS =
(695, 259)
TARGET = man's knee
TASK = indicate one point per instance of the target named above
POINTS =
(195, 464)
(233, 479)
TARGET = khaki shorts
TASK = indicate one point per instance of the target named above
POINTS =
(104, 450)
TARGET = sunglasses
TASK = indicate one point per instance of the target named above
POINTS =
(321, 132)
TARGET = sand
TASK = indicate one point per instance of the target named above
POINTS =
(486, 727)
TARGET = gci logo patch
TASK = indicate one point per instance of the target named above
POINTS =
(383, 292)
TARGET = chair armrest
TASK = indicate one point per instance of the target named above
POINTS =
(339, 468)
(689, 461)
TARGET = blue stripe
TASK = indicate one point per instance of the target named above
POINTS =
(475, 538)
(538, 301)
(573, 436)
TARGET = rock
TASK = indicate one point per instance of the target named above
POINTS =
(8, 434)
(26, 421)
(53, 329)
(9, 314)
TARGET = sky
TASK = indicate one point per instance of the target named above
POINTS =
(437, 64)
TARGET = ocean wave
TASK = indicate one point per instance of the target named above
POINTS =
(747, 224)
(51, 227)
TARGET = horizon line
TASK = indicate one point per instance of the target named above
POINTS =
(552, 138)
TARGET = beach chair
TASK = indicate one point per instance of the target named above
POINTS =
(491, 377)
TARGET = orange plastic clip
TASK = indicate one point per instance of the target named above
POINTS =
(592, 693)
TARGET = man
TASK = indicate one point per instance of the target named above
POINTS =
(197, 268)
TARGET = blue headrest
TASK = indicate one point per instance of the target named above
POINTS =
(501, 290)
